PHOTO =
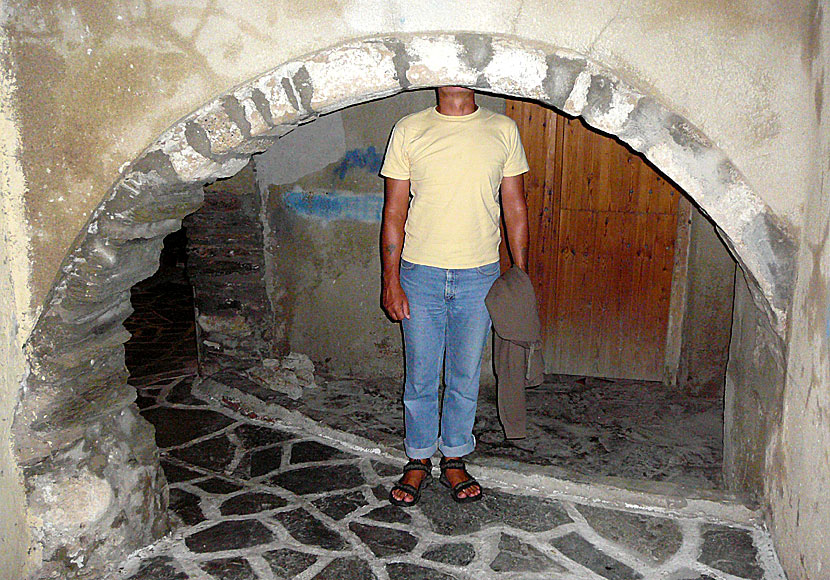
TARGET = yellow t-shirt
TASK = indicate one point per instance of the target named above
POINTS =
(455, 165)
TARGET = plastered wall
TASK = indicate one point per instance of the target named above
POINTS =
(98, 81)
(753, 394)
(14, 530)
(14, 535)
(781, 394)
(798, 473)
(707, 327)
(91, 84)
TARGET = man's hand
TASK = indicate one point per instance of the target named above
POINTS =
(395, 302)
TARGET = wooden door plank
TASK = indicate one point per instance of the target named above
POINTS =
(537, 203)
(576, 292)
(558, 339)
(624, 289)
(553, 183)
(635, 308)
(645, 308)
(574, 172)
(544, 270)
(679, 287)
(651, 323)
(603, 284)
(533, 134)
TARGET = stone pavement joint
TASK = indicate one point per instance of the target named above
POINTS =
(295, 496)
(263, 501)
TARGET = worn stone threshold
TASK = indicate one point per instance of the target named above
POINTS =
(646, 497)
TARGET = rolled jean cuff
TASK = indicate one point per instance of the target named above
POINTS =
(459, 450)
(422, 453)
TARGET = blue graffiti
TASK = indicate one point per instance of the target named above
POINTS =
(325, 206)
(368, 159)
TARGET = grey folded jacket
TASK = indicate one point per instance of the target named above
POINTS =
(517, 345)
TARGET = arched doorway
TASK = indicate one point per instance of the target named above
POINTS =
(76, 424)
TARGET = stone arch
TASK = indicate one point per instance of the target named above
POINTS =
(76, 396)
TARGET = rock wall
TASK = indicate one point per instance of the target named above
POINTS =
(97, 499)
(235, 323)
(94, 488)
(798, 458)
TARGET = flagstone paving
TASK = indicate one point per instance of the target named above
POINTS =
(271, 498)
(255, 500)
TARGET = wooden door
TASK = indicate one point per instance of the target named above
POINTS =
(603, 227)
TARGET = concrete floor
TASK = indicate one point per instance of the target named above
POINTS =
(263, 487)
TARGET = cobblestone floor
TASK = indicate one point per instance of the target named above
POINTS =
(266, 500)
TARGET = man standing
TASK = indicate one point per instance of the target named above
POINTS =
(440, 255)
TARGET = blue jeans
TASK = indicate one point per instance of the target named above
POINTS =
(448, 323)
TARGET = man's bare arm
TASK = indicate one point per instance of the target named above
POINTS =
(515, 219)
(395, 208)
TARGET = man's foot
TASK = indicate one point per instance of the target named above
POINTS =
(454, 475)
(416, 475)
